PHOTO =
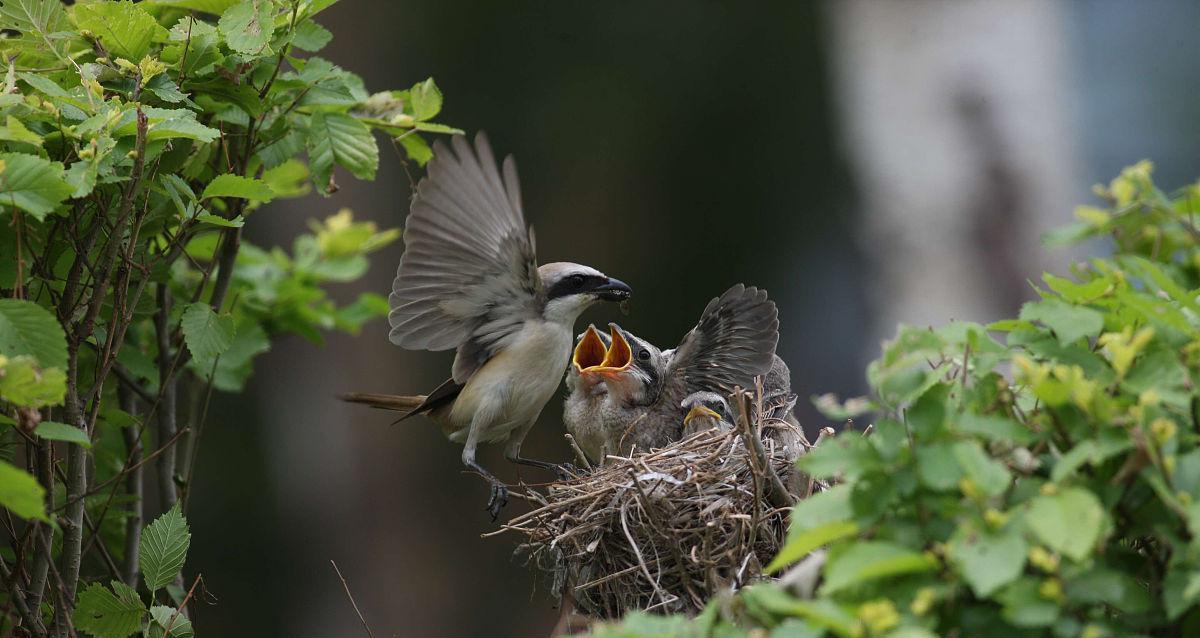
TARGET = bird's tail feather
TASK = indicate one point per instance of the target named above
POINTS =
(394, 402)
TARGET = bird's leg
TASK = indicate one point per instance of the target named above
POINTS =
(499, 494)
(512, 452)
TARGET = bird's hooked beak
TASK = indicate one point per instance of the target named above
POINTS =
(613, 290)
(699, 411)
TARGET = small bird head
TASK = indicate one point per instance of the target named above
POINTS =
(704, 411)
(571, 288)
(632, 368)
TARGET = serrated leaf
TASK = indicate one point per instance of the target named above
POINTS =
(1069, 522)
(1068, 322)
(802, 544)
(206, 333)
(21, 494)
(988, 561)
(426, 100)
(33, 16)
(24, 383)
(43, 84)
(27, 328)
(33, 184)
(164, 548)
(432, 127)
(14, 131)
(337, 138)
(216, 220)
(872, 560)
(416, 148)
(247, 26)
(215, 7)
(81, 177)
(55, 431)
(311, 36)
(162, 617)
(229, 185)
(109, 614)
(289, 179)
(124, 28)
(988, 474)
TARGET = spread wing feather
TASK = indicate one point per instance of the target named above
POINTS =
(468, 278)
(733, 342)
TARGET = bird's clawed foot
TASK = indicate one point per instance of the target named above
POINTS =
(497, 500)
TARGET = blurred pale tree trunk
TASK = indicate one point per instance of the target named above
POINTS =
(956, 118)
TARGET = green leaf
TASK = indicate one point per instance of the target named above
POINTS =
(162, 616)
(247, 26)
(989, 475)
(1069, 522)
(1025, 607)
(81, 177)
(125, 29)
(15, 131)
(206, 333)
(181, 127)
(426, 100)
(1181, 590)
(21, 494)
(994, 428)
(24, 383)
(38, 16)
(215, 7)
(872, 560)
(848, 456)
(54, 431)
(229, 185)
(801, 545)
(1068, 322)
(341, 139)
(415, 148)
(289, 179)
(164, 548)
(988, 561)
(27, 328)
(311, 36)
(32, 184)
(937, 468)
(109, 614)
(216, 220)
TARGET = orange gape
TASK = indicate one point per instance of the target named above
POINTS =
(591, 357)
(590, 352)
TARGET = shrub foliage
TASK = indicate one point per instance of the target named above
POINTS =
(1038, 476)
(136, 141)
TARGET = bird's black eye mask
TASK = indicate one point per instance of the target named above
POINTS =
(574, 284)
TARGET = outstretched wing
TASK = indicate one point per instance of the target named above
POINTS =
(468, 278)
(733, 342)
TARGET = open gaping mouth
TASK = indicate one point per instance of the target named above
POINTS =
(592, 357)
(590, 351)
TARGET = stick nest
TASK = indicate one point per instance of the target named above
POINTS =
(667, 529)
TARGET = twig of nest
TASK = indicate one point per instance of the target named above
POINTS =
(667, 529)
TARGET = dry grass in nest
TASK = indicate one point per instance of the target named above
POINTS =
(667, 529)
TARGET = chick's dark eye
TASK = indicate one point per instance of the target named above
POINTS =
(576, 281)
(643, 355)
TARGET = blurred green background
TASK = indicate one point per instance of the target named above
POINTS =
(829, 152)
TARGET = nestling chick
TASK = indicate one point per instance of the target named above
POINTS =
(705, 411)
(733, 342)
